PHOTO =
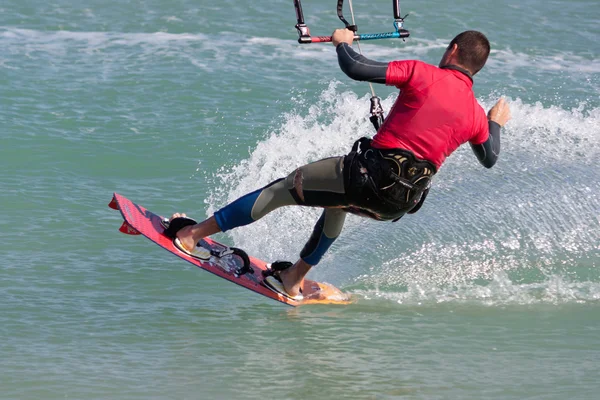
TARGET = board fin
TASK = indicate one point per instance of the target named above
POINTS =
(113, 204)
(128, 229)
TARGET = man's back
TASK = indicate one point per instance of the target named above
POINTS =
(434, 114)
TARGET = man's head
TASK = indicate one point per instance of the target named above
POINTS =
(468, 50)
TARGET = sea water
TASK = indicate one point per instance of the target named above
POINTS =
(490, 291)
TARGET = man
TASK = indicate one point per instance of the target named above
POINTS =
(385, 178)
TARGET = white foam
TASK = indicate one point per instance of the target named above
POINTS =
(227, 43)
(35, 44)
(553, 132)
(504, 60)
(509, 61)
(28, 41)
(538, 210)
(522, 216)
(499, 291)
(97, 38)
(328, 129)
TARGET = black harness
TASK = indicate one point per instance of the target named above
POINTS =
(385, 184)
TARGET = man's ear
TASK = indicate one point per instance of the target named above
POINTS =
(454, 50)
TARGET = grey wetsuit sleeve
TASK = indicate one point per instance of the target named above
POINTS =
(358, 67)
(488, 151)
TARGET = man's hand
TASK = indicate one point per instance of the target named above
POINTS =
(500, 113)
(342, 36)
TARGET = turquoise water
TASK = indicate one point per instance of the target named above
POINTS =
(491, 291)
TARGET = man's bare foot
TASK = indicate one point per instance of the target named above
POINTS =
(190, 235)
(177, 215)
(293, 277)
(185, 236)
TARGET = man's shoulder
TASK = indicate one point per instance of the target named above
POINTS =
(411, 68)
(416, 63)
(413, 73)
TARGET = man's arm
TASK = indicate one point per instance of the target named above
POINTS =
(353, 64)
(359, 67)
(488, 151)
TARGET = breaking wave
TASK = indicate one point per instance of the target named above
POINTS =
(526, 231)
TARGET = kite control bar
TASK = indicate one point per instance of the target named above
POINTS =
(304, 37)
(304, 31)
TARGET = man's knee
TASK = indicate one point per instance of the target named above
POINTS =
(295, 185)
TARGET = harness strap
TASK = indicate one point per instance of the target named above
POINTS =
(404, 182)
(363, 144)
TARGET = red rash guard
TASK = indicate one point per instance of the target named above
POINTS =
(435, 112)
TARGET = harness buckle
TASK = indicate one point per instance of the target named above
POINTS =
(376, 110)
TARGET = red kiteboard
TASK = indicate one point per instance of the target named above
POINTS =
(234, 266)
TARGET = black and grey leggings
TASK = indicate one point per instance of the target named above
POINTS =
(379, 184)
(318, 184)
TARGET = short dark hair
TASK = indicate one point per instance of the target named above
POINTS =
(473, 50)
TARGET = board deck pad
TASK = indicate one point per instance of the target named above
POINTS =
(139, 221)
